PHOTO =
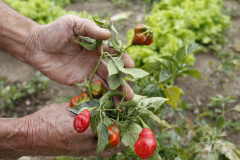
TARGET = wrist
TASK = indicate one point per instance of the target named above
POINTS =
(15, 138)
(15, 32)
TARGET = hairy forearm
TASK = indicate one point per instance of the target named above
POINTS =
(15, 32)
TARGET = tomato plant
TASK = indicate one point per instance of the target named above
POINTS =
(112, 125)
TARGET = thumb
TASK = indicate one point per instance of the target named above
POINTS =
(87, 28)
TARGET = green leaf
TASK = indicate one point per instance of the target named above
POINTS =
(107, 121)
(102, 138)
(85, 79)
(88, 46)
(237, 108)
(117, 44)
(170, 59)
(128, 104)
(115, 80)
(220, 122)
(113, 65)
(98, 22)
(135, 72)
(177, 158)
(155, 156)
(159, 121)
(193, 72)
(87, 39)
(148, 102)
(173, 95)
(237, 152)
(95, 120)
(194, 156)
(62, 99)
(114, 29)
(137, 98)
(181, 55)
(130, 134)
(165, 75)
(107, 101)
(191, 48)
(88, 104)
(80, 84)
(151, 90)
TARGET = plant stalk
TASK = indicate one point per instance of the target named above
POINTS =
(90, 82)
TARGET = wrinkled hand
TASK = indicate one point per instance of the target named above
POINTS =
(57, 56)
(53, 134)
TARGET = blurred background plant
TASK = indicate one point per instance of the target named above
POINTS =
(177, 22)
(15, 91)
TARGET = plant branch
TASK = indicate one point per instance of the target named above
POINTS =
(90, 82)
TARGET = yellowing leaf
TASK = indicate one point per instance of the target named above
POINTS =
(173, 95)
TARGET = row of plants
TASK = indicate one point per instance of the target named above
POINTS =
(10, 92)
(43, 11)
(177, 22)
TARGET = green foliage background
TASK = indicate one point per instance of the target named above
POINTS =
(177, 22)
(43, 11)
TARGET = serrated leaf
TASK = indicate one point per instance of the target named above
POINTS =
(220, 122)
(102, 138)
(131, 134)
(173, 95)
(147, 102)
(193, 72)
(159, 121)
(115, 80)
(88, 46)
(62, 99)
(113, 65)
(88, 104)
(191, 48)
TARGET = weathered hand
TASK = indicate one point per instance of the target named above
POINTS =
(53, 134)
(57, 56)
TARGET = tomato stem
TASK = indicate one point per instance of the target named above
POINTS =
(144, 125)
(128, 47)
(90, 82)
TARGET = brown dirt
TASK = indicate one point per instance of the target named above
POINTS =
(197, 91)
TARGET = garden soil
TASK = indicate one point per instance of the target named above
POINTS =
(198, 91)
